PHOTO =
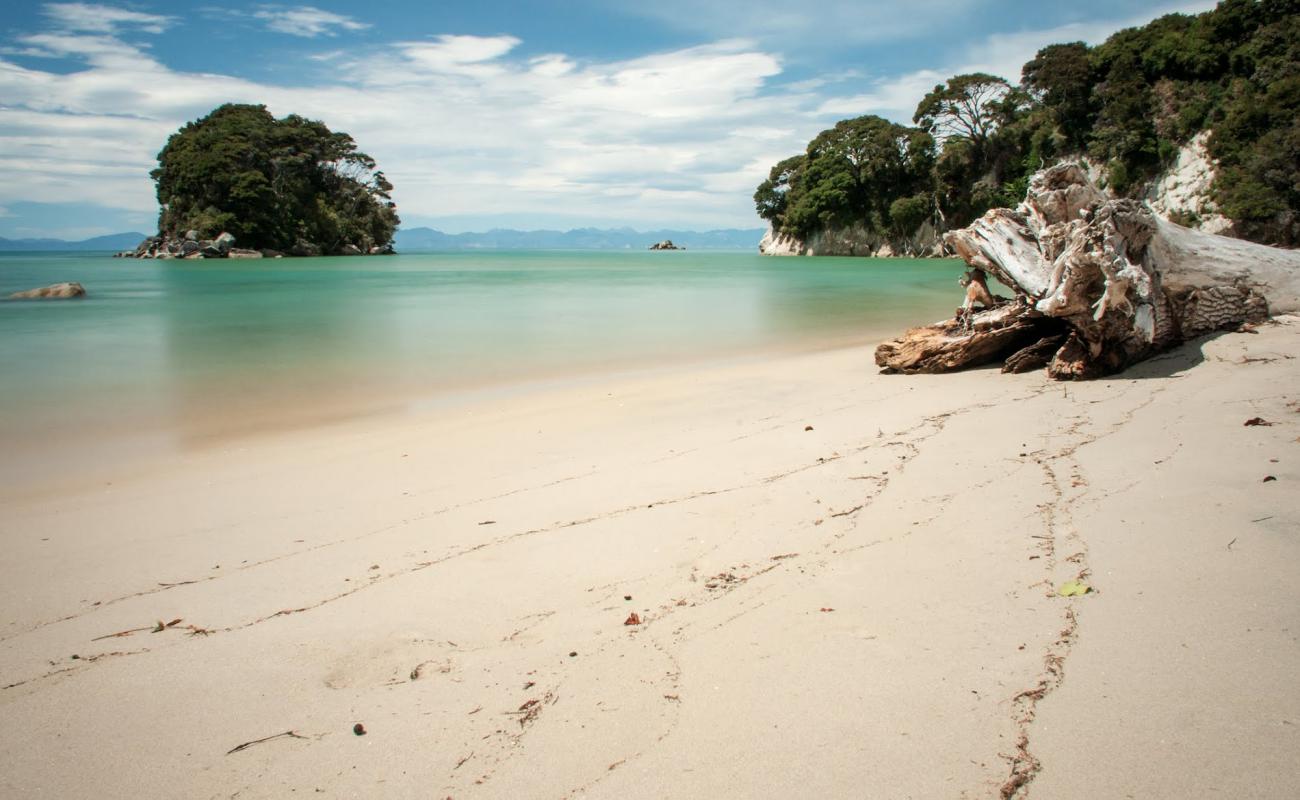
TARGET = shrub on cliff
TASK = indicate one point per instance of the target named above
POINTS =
(284, 184)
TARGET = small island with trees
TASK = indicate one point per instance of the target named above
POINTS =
(288, 186)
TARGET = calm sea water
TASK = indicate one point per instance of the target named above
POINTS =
(180, 349)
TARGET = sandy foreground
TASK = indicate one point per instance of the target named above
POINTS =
(846, 584)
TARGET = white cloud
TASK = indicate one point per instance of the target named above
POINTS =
(465, 125)
(95, 18)
(460, 124)
(1001, 54)
(307, 21)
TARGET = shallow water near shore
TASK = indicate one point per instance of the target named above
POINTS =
(175, 354)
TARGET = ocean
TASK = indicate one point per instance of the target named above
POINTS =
(175, 354)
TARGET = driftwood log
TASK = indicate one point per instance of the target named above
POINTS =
(1100, 284)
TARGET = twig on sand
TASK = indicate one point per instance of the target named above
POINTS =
(159, 627)
(123, 633)
(247, 745)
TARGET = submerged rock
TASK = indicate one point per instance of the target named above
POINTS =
(58, 291)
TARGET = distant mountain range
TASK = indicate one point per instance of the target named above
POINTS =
(418, 239)
(115, 242)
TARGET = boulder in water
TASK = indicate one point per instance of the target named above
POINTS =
(58, 291)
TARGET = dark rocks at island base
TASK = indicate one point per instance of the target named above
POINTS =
(666, 244)
(304, 249)
(191, 246)
(1100, 284)
(58, 291)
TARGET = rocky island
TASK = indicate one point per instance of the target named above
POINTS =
(275, 187)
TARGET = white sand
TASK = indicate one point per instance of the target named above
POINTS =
(935, 515)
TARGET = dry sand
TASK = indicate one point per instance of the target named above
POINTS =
(846, 581)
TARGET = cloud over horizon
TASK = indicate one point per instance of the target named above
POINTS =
(306, 21)
(465, 125)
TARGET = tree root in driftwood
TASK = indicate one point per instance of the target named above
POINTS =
(1100, 284)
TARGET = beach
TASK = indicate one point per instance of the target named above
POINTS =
(845, 584)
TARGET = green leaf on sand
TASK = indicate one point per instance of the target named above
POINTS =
(1073, 588)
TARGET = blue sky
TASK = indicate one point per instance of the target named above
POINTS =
(492, 114)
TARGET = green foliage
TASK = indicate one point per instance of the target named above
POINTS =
(1130, 103)
(967, 106)
(906, 214)
(272, 183)
(850, 174)
(1060, 78)
(772, 196)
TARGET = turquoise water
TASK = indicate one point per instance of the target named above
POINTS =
(164, 346)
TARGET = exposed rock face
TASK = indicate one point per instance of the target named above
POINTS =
(1182, 193)
(780, 244)
(855, 240)
(58, 291)
(666, 244)
(1116, 281)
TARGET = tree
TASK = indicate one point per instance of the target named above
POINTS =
(968, 106)
(1060, 77)
(1124, 134)
(281, 184)
(853, 172)
(773, 195)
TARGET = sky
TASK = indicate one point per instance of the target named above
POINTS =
(496, 113)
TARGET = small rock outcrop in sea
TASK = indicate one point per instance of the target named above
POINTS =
(58, 291)
(666, 244)
(1100, 284)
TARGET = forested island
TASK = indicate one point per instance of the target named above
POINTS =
(1214, 97)
(273, 186)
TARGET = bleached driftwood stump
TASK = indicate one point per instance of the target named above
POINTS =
(1099, 283)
